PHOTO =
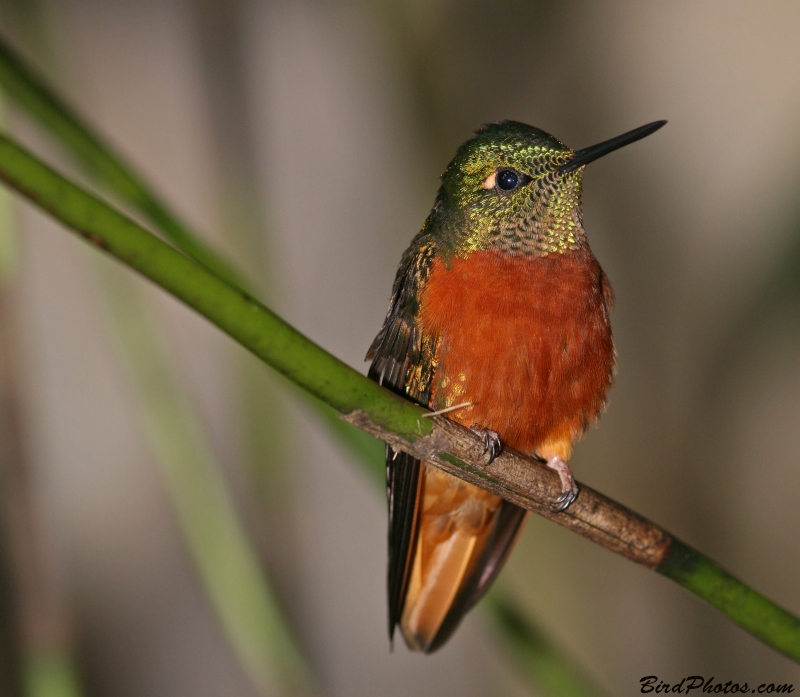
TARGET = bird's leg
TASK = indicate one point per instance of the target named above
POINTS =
(569, 488)
(491, 442)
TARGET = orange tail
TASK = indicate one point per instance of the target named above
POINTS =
(464, 535)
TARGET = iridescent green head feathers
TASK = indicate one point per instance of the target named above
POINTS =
(515, 188)
(502, 190)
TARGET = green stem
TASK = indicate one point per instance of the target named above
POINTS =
(749, 609)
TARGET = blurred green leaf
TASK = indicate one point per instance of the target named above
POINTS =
(225, 560)
(32, 93)
(51, 674)
(219, 545)
(535, 655)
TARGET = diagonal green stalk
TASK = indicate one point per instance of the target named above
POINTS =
(234, 311)
(274, 341)
(33, 94)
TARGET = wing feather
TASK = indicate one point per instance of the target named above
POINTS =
(399, 353)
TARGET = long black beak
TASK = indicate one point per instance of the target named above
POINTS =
(594, 152)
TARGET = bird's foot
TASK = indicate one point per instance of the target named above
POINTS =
(491, 442)
(569, 489)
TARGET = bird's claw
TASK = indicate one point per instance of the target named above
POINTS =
(569, 489)
(567, 497)
(491, 442)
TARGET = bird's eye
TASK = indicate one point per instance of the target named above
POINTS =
(508, 180)
(505, 180)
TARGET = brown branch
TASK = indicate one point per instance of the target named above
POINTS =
(530, 484)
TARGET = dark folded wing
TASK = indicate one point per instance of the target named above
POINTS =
(402, 485)
(403, 361)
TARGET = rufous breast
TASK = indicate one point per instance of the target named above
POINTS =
(526, 340)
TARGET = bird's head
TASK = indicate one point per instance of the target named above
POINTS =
(515, 188)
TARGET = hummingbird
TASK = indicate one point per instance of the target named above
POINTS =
(499, 317)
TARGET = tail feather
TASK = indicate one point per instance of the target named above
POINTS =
(464, 536)
(428, 603)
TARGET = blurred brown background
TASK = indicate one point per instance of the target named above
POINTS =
(306, 139)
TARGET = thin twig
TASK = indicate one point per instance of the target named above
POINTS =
(455, 407)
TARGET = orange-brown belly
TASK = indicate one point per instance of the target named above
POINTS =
(526, 340)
